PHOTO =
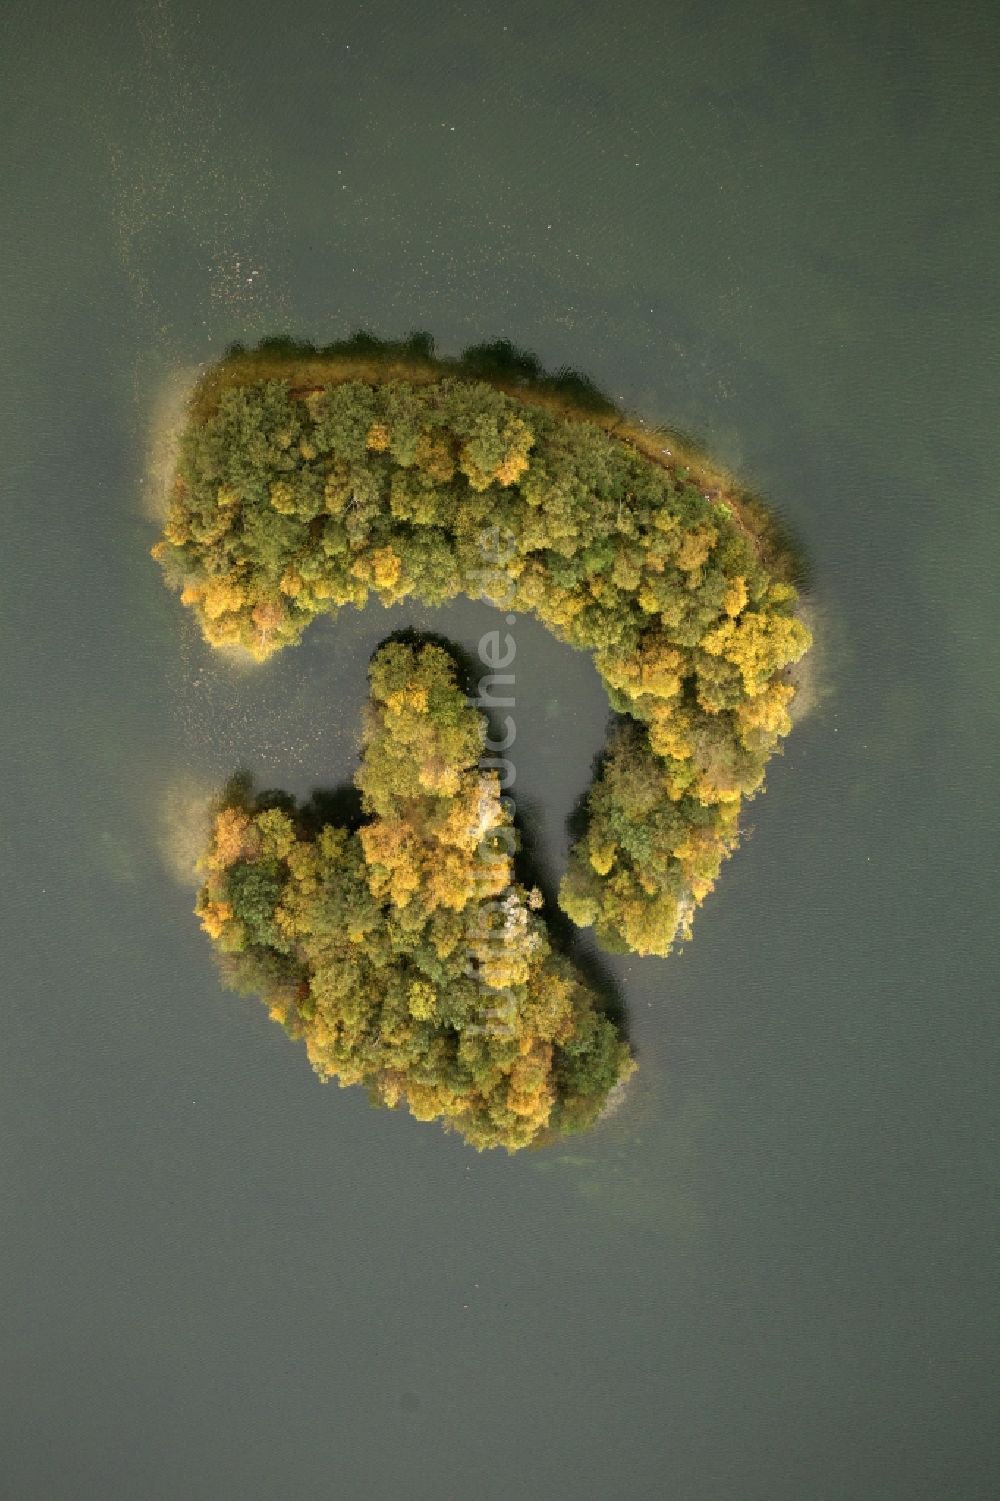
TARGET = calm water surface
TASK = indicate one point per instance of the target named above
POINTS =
(768, 1277)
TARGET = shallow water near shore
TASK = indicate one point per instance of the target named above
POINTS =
(765, 1274)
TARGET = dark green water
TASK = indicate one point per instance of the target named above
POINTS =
(769, 1277)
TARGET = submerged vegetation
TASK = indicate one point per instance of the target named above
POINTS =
(404, 953)
(313, 479)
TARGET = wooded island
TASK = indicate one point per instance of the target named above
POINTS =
(310, 480)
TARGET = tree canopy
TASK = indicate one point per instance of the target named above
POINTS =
(302, 489)
(405, 954)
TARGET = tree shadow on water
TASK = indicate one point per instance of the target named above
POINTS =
(339, 806)
(468, 667)
(531, 870)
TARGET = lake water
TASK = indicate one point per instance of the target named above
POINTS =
(768, 1277)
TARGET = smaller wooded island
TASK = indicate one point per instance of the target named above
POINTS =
(313, 479)
(406, 954)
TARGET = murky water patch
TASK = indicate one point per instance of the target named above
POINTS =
(184, 820)
(167, 418)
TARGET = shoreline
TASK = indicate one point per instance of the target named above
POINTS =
(170, 414)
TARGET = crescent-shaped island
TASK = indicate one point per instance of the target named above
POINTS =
(406, 953)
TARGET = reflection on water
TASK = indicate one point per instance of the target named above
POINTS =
(184, 822)
(168, 411)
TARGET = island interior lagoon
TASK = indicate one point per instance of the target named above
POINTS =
(568, 733)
